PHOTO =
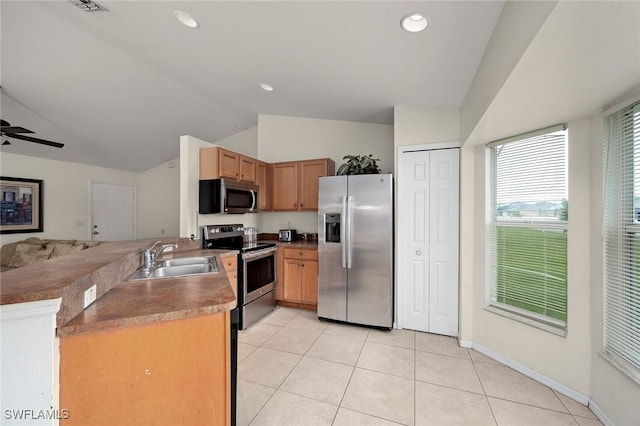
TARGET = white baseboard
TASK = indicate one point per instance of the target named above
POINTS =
(466, 344)
(606, 421)
(538, 377)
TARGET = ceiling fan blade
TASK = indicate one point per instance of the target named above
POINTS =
(36, 140)
(4, 123)
(14, 129)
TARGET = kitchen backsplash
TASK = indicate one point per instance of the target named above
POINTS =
(300, 221)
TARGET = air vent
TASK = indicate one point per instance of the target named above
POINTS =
(87, 5)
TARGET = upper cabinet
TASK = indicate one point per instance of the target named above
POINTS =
(264, 178)
(216, 162)
(295, 183)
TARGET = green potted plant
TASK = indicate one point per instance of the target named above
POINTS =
(359, 165)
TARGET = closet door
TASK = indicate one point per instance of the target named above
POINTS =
(428, 212)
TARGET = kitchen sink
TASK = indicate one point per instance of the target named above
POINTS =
(198, 260)
(181, 267)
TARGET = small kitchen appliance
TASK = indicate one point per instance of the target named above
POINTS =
(287, 235)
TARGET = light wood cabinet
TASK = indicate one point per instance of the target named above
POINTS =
(280, 273)
(295, 183)
(230, 264)
(300, 281)
(216, 162)
(264, 179)
(165, 373)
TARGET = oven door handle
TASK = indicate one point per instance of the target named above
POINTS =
(258, 253)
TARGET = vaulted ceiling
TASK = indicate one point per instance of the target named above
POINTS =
(120, 85)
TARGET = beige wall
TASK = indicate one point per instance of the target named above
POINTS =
(244, 142)
(66, 193)
(283, 138)
(565, 360)
(159, 201)
(614, 393)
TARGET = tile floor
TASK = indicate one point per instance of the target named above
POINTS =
(294, 370)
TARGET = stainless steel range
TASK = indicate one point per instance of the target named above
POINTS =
(256, 270)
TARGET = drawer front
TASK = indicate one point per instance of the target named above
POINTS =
(300, 254)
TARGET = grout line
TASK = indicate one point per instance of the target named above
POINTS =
(486, 397)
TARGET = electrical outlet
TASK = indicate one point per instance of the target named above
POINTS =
(90, 295)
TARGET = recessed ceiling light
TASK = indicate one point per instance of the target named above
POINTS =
(185, 19)
(266, 87)
(414, 23)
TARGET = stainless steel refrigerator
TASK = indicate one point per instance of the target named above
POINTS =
(355, 249)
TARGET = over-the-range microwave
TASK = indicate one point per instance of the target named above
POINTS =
(227, 196)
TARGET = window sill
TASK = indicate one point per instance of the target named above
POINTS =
(562, 332)
(624, 368)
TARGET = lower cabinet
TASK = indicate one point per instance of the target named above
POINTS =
(167, 373)
(300, 276)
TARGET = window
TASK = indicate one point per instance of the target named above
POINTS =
(622, 238)
(528, 227)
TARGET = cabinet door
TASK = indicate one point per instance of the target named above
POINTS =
(228, 163)
(310, 171)
(209, 163)
(264, 178)
(247, 169)
(292, 290)
(285, 186)
(231, 269)
(309, 284)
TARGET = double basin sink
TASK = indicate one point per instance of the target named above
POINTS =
(179, 267)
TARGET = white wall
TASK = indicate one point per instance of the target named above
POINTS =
(190, 219)
(566, 360)
(159, 201)
(66, 193)
(518, 24)
(613, 392)
(244, 142)
(282, 138)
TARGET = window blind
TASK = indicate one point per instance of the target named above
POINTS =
(622, 237)
(528, 236)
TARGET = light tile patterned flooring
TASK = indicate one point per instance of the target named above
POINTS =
(294, 370)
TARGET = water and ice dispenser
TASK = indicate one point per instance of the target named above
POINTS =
(332, 227)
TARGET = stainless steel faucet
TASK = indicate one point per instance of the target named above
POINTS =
(151, 254)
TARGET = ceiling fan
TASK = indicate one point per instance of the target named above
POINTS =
(9, 131)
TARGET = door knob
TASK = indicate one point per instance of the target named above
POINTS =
(418, 252)
(95, 232)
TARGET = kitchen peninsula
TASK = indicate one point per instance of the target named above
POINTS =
(146, 352)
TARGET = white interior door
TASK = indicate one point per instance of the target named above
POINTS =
(428, 189)
(112, 212)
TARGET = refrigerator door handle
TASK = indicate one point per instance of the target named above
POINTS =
(349, 230)
(343, 233)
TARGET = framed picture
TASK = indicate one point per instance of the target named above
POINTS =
(20, 205)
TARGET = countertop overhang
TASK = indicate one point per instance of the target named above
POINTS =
(119, 303)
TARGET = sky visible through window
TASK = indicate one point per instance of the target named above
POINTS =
(531, 178)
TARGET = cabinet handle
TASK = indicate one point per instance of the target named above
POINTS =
(301, 204)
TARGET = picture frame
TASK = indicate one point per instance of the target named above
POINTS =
(21, 208)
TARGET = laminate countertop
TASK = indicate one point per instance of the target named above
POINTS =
(132, 303)
(297, 244)
(119, 303)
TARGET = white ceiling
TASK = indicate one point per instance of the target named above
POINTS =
(119, 87)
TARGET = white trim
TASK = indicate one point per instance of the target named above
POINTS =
(427, 147)
(601, 415)
(38, 308)
(528, 135)
(620, 104)
(538, 377)
(465, 343)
